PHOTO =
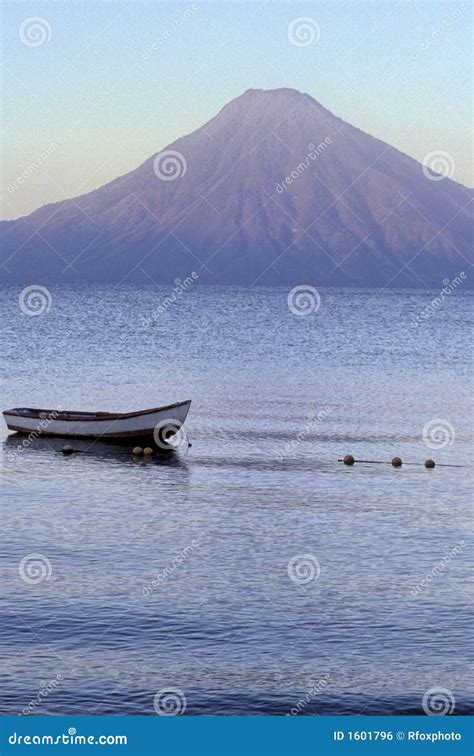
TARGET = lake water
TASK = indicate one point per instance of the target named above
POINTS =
(285, 581)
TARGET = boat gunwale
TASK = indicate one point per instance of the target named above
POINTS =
(74, 415)
(142, 433)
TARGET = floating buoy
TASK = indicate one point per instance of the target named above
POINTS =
(395, 462)
(68, 450)
(147, 451)
(137, 450)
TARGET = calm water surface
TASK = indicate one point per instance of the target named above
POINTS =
(277, 399)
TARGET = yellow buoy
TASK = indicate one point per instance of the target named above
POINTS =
(396, 462)
(137, 450)
(147, 451)
(348, 459)
(430, 463)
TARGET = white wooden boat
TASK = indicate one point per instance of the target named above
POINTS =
(149, 424)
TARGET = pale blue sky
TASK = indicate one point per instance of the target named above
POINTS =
(90, 93)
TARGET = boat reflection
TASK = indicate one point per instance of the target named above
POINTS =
(19, 445)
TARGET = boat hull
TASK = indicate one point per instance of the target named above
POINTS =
(127, 427)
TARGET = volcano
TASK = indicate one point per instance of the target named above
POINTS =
(274, 189)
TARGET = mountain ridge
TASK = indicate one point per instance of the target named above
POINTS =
(357, 212)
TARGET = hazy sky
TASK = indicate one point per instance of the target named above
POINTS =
(90, 103)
